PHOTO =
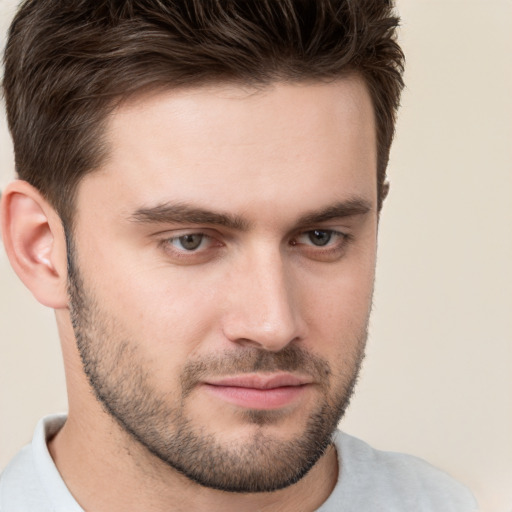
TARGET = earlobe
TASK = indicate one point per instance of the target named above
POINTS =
(34, 240)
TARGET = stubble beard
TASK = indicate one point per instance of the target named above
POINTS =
(159, 423)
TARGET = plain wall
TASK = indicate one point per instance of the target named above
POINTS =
(437, 381)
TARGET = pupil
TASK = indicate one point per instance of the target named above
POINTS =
(320, 237)
(191, 242)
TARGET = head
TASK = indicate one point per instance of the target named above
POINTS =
(217, 169)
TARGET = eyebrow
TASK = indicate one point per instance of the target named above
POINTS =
(182, 213)
(349, 208)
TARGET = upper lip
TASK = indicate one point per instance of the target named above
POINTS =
(260, 381)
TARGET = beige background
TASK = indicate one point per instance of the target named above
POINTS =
(438, 377)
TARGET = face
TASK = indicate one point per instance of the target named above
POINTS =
(222, 265)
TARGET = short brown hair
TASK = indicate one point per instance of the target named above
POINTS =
(69, 62)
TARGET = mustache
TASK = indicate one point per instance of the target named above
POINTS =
(251, 360)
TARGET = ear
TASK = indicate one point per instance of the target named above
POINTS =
(385, 190)
(34, 240)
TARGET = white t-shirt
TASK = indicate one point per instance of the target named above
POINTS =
(369, 480)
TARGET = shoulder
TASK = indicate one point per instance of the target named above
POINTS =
(20, 488)
(31, 481)
(372, 479)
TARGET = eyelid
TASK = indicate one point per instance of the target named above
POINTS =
(176, 232)
(181, 233)
(173, 233)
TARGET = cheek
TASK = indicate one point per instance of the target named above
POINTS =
(164, 314)
(338, 313)
(159, 309)
(343, 294)
(162, 331)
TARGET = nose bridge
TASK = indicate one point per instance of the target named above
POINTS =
(264, 306)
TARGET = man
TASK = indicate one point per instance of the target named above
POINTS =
(198, 199)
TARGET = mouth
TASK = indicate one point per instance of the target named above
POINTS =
(259, 391)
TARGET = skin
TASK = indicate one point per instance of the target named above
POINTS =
(272, 159)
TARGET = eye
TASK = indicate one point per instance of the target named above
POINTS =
(188, 242)
(320, 238)
(324, 245)
(190, 248)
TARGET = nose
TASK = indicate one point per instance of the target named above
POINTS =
(264, 306)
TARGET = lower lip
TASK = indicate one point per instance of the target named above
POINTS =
(252, 398)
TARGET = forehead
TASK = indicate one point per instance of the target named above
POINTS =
(234, 146)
